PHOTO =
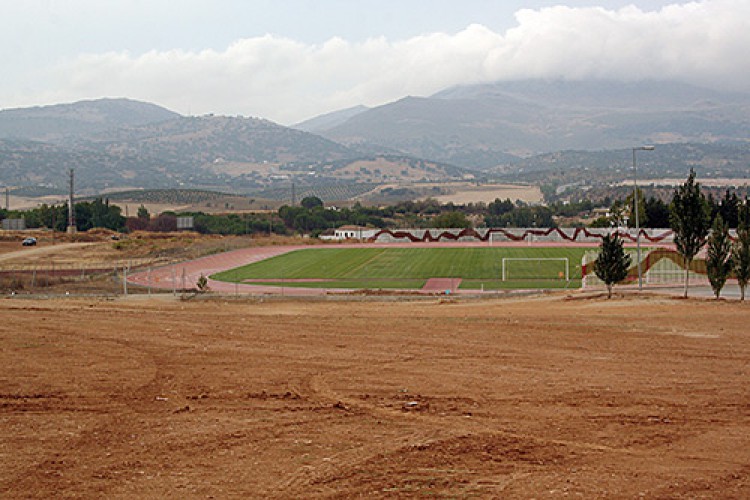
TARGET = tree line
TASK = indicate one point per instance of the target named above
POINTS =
(697, 222)
(88, 215)
(655, 213)
(311, 217)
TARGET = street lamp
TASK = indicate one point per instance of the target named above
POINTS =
(637, 221)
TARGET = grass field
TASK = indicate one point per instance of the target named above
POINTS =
(410, 268)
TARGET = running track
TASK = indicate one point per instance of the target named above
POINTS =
(170, 277)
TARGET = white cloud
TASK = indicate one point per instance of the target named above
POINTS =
(286, 81)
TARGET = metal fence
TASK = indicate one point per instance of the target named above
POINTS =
(73, 278)
(659, 266)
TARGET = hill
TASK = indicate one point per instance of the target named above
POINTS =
(173, 153)
(596, 174)
(329, 120)
(484, 126)
(149, 147)
(59, 122)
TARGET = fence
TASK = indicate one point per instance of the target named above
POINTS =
(498, 235)
(71, 278)
(659, 266)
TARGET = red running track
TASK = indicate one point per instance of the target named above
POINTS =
(185, 275)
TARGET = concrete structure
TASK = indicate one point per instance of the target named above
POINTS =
(351, 233)
(14, 224)
(498, 235)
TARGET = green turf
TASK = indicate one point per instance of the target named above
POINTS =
(372, 284)
(410, 267)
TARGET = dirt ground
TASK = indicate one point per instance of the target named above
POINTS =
(99, 246)
(490, 192)
(546, 397)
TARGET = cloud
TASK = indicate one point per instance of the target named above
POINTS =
(286, 81)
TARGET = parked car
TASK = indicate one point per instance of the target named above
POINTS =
(29, 242)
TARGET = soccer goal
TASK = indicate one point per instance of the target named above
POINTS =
(535, 268)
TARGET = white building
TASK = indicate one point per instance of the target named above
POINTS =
(353, 233)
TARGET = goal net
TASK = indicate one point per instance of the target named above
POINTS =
(535, 268)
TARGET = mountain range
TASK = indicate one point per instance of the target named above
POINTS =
(117, 143)
(483, 126)
(525, 131)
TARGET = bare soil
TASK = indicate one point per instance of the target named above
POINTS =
(490, 192)
(551, 396)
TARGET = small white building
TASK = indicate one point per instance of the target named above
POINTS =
(354, 233)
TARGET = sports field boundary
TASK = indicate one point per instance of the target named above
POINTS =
(184, 275)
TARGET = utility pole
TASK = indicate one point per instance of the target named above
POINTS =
(71, 210)
(7, 198)
(637, 222)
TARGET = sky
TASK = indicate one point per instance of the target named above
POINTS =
(289, 60)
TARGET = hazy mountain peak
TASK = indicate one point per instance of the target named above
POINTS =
(51, 123)
(329, 120)
(480, 126)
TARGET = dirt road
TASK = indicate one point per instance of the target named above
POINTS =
(28, 254)
(544, 397)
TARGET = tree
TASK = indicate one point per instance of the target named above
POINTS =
(311, 202)
(451, 220)
(718, 253)
(657, 213)
(741, 256)
(612, 264)
(143, 213)
(163, 223)
(618, 214)
(690, 220)
(642, 213)
(499, 207)
(202, 284)
(729, 209)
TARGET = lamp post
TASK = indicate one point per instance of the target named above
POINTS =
(637, 221)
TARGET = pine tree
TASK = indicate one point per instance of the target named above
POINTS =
(719, 250)
(690, 220)
(741, 255)
(143, 213)
(612, 264)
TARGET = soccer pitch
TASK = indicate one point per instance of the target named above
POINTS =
(410, 268)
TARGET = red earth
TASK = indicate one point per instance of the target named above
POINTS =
(544, 397)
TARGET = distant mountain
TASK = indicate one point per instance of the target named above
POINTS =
(329, 120)
(206, 139)
(172, 153)
(546, 132)
(461, 132)
(121, 143)
(727, 160)
(58, 122)
(483, 126)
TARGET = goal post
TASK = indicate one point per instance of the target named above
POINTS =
(544, 265)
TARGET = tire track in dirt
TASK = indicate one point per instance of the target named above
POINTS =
(456, 438)
(87, 451)
(422, 431)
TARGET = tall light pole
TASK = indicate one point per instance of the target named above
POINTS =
(637, 221)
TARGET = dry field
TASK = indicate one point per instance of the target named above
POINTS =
(542, 397)
(488, 193)
(97, 246)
